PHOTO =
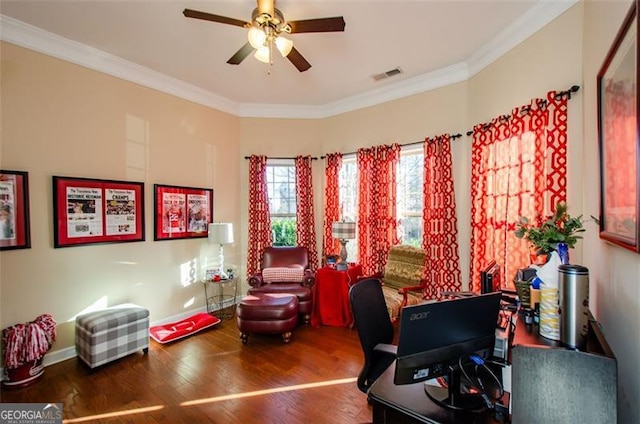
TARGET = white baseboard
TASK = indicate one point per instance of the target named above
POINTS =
(70, 352)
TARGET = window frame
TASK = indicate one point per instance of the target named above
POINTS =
(279, 216)
(410, 150)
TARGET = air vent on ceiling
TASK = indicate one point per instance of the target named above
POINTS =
(390, 73)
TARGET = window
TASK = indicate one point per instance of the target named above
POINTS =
(348, 181)
(281, 187)
(410, 180)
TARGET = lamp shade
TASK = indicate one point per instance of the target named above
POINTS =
(263, 54)
(256, 37)
(284, 45)
(343, 230)
(221, 232)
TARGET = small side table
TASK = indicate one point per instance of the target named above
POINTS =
(221, 297)
(331, 296)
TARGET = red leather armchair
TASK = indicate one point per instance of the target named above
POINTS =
(286, 270)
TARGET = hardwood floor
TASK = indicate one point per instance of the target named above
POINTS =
(212, 378)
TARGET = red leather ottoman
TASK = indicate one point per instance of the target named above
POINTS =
(268, 313)
(304, 295)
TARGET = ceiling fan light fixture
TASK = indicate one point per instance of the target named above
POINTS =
(264, 29)
(263, 54)
(257, 37)
(284, 45)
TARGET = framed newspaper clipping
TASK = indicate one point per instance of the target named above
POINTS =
(14, 210)
(88, 211)
(181, 212)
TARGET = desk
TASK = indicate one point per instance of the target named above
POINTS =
(409, 404)
(553, 384)
(331, 296)
(587, 392)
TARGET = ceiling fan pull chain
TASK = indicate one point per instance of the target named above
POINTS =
(270, 41)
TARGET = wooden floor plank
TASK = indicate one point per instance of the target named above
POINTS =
(212, 377)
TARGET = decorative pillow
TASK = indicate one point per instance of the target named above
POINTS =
(283, 275)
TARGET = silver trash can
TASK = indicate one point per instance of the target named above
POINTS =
(573, 288)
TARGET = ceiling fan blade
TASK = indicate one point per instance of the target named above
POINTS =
(241, 54)
(189, 13)
(298, 60)
(266, 6)
(318, 25)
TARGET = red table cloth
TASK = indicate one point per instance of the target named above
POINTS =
(331, 296)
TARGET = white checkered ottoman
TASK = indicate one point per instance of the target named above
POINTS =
(105, 335)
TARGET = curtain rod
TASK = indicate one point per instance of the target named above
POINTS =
(453, 137)
(282, 157)
(559, 94)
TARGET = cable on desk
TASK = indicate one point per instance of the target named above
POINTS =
(479, 362)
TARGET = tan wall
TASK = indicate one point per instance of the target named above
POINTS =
(62, 119)
(408, 120)
(403, 121)
(550, 59)
(614, 273)
(278, 138)
(58, 118)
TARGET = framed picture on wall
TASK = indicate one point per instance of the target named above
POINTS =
(88, 211)
(181, 212)
(14, 210)
(618, 138)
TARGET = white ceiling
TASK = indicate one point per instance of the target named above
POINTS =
(436, 42)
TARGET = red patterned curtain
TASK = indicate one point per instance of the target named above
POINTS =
(440, 225)
(305, 222)
(333, 162)
(518, 169)
(377, 223)
(259, 220)
(620, 157)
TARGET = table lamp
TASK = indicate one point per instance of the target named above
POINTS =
(221, 233)
(344, 231)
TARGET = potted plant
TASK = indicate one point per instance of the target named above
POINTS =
(546, 234)
(23, 347)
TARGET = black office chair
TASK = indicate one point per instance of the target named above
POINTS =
(374, 329)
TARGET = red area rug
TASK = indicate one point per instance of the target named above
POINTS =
(171, 332)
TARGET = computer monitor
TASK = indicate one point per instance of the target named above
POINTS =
(434, 338)
(490, 280)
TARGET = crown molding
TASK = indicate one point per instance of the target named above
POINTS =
(540, 14)
(261, 110)
(33, 38)
(421, 83)
(401, 89)
(28, 36)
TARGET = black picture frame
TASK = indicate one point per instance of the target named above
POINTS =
(618, 140)
(181, 212)
(15, 226)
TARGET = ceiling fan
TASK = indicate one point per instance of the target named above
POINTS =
(266, 31)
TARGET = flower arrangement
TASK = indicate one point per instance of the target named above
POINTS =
(545, 234)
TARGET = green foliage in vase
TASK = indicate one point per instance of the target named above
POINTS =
(546, 234)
